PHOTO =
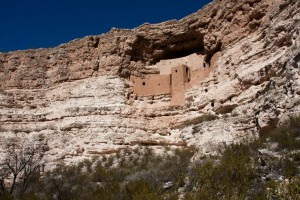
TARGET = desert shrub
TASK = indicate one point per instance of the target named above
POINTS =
(146, 168)
(287, 135)
(100, 174)
(66, 183)
(107, 191)
(293, 189)
(296, 157)
(229, 177)
(290, 168)
(178, 166)
(279, 190)
(140, 190)
(236, 170)
(203, 183)
(109, 162)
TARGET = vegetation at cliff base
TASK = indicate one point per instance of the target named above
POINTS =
(267, 168)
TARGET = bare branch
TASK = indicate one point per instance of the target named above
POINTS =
(19, 167)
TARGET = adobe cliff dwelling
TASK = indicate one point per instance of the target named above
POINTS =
(175, 77)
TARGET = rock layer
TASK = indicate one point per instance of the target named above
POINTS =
(77, 99)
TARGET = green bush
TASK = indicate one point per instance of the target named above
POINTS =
(293, 189)
(229, 177)
(287, 135)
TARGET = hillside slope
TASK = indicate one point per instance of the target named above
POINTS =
(78, 99)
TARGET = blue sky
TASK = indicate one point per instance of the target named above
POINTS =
(28, 24)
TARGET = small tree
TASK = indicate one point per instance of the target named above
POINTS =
(19, 168)
(68, 183)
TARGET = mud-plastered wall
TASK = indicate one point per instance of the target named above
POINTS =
(180, 76)
(151, 85)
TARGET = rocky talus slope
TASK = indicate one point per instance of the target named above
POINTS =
(76, 99)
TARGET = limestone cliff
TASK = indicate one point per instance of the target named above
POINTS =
(78, 100)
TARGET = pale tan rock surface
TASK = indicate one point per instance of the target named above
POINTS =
(77, 100)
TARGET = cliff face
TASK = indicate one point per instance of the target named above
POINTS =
(78, 100)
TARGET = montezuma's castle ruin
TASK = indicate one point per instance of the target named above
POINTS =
(175, 77)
